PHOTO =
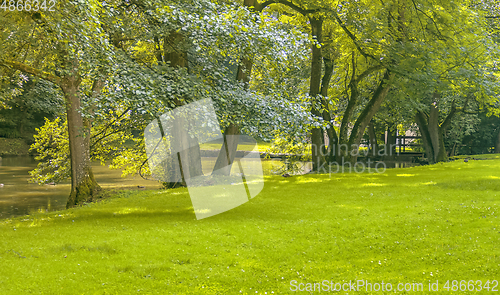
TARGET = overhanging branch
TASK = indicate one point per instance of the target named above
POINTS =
(30, 70)
(369, 71)
(303, 11)
(352, 36)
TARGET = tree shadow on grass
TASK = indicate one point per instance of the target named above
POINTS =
(483, 184)
(167, 214)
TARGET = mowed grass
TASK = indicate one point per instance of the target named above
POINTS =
(411, 225)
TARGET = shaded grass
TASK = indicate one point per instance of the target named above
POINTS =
(416, 224)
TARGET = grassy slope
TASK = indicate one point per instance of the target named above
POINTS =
(407, 225)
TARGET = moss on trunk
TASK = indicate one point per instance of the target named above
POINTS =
(86, 191)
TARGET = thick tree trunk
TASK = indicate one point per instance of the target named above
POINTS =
(368, 112)
(390, 145)
(317, 139)
(231, 134)
(442, 154)
(373, 139)
(83, 185)
(433, 133)
(433, 127)
(228, 151)
(421, 119)
(170, 172)
(195, 165)
(325, 85)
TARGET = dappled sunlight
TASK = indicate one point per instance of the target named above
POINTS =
(310, 179)
(182, 191)
(349, 207)
(203, 211)
(374, 184)
(130, 210)
(126, 211)
(405, 175)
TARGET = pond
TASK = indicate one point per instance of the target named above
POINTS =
(19, 197)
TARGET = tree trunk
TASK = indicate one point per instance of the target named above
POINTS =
(421, 119)
(390, 146)
(433, 133)
(343, 150)
(373, 139)
(442, 155)
(231, 134)
(83, 185)
(195, 166)
(330, 131)
(368, 112)
(433, 127)
(317, 139)
(228, 151)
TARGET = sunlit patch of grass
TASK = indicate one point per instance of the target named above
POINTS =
(311, 179)
(442, 220)
(374, 184)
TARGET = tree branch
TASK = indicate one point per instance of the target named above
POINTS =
(106, 128)
(260, 7)
(352, 37)
(368, 72)
(447, 121)
(429, 17)
(30, 70)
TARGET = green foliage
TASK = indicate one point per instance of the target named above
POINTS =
(132, 158)
(52, 149)
(26, 104)
(295, 153)
(112, 141)
(432, 46)
(482, 138)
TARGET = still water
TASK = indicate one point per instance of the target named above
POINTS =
(19, 197)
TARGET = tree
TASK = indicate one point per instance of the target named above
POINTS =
(65, 51)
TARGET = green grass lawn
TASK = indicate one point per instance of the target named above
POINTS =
(411, 225)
